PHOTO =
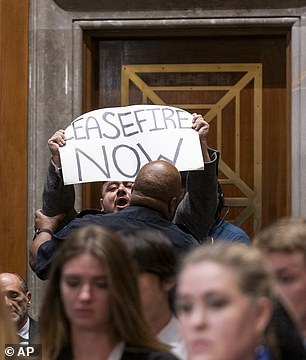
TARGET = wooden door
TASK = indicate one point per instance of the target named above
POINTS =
(237, 82)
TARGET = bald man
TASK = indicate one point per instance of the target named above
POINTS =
(18, 298)
(155, 196)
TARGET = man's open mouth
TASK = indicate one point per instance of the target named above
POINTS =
(122, 202)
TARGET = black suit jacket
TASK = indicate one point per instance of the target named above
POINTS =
(285, 336)
(33, 331)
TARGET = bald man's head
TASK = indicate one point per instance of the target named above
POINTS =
(17, 297)
(158, 185)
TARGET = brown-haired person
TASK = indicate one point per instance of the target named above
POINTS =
(224, 302)
(157, 264)
(284, 245)
(92, 308)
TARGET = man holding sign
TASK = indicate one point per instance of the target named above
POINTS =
(112, 144)
(196, 211)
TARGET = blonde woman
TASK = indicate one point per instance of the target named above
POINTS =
(224, 302)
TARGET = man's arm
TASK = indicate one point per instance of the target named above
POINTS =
(57, 197)
(198, 208)
(46, 242)
(45, 227)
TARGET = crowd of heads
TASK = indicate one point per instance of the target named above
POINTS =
(223, 292)
(98, 273)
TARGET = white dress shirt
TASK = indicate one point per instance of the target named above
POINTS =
(23, 333)
(171, 335)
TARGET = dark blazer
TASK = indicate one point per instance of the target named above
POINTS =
(33, 331)
(286, 343)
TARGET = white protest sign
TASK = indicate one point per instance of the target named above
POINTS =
(112, 144)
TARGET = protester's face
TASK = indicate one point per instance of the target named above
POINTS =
(290, 274)
(153, 294)
(16, 300)
(219, 322)
(85, 294)
(115, 196)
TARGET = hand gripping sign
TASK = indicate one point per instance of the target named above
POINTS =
(112, 144)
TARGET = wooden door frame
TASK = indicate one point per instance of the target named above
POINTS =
(189, 28)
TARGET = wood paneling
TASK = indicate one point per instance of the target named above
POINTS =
(218, 91)
(13, 134)
(270, 51)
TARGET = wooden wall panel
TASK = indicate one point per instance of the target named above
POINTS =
(270, 51)
(13, 134)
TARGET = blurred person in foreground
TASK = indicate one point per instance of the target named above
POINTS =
(283, 243)
(157, 265)
(95, 312)
(225, 302)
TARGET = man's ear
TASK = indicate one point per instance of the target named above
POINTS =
(101, 203)
(28, 296)
(264, 314)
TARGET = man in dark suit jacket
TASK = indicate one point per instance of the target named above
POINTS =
(18, 299)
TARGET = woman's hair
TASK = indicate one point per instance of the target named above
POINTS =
(152, 251)
(255, 278)
(128, 322)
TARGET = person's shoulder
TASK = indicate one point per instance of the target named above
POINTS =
(227, 231)
(147, 355)
(234, 228)
(185, 232)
